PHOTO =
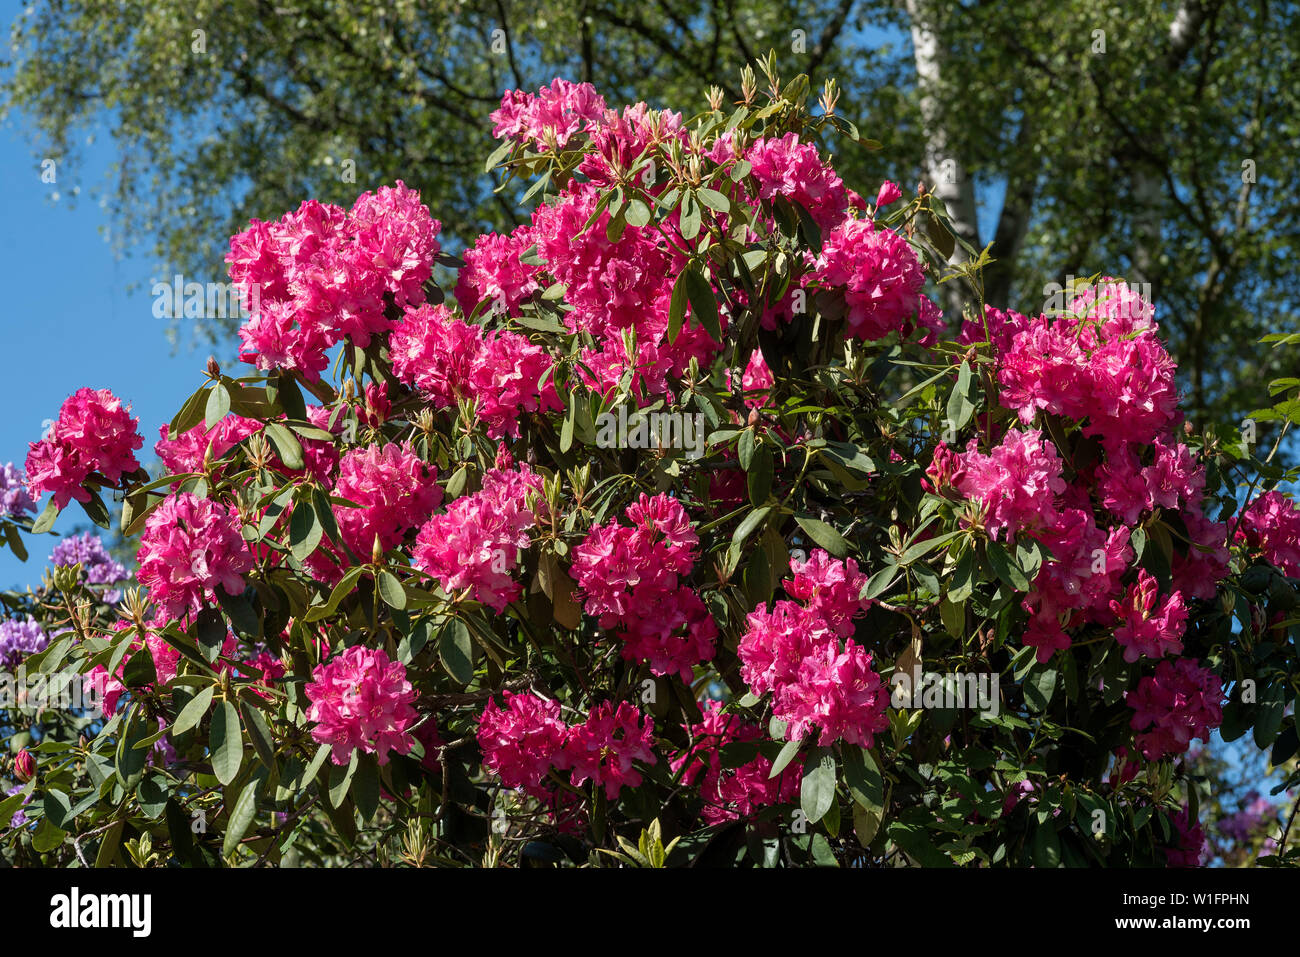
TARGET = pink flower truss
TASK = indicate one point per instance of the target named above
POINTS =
(189, 547)
(602, 750)
(361, 700)
(94, 434)
(557, 112)
(1181, 701)
(449, 360)
(831, 588)
(881, 278)
(1016, 483)
(630, 578)
(1150, 627)
(837, 691)
(494, 275)
(476, 543)
(1271, 526)
(786, 167)
(395, 489)
(521, 741)
(733, 792)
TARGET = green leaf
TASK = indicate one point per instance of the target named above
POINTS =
(677, 307)
(226, 743)
(305, 530)
(45, 521)
(241, 816)
(1040, 686)
(862, 776)
(258, 733)
(1005, 567)
(456, 650)
(391, 590)
(345, 587)
(817, 791)
(210, 633)
(961, 403)
(689, 221)
(823, 535)
(365, 786)
(880, 581)
(751, 522)
(1269, 713)
(704, 306)
(785, 757)
(286, 446)
(341, 780)
(218, 405)
(759, 479)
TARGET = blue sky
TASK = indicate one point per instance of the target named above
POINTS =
(68, 319)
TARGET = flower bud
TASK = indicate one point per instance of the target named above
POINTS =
(24, 766)
(214, 370)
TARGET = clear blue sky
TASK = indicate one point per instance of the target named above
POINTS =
(68, 319)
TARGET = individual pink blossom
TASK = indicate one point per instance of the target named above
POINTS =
(189, 547)
(775, 643)
(521, 741)
(395, 489)
(362, 701)
(190, 450)
(1180, 702)
(1149, 626)
(888, 193)
(93, 435)
(604, 748)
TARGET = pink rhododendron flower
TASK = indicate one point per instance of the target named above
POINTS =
(786, 167)
(838, 692)
(1189, 849)
(189, 547)
(602, 749)
(1148, 627)
(831, 588)
(395, 489)
(1271, 526)
(554, 114)
(477, 542)
(494, 275)
(888, 193)
(521, 741)
(1016, 483)
(361, 701)
(1181, 701)
(94, 434)
(630, 578)
(189, 450)
(731, 793)
(881, 278)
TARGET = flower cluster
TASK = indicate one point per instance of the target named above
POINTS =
(189, 547)
(322, 274)
(93, 435)
(1147, 627)
(476, 543)
(549, 117)
(20, 637)
(1016, 483)
(730, 793)
(526, 739)
(630, 578)
(362, 701)
(1181, 701)
(794, 651)
(1271, 526)
(449, 360)
(15, 502)
(394, 490)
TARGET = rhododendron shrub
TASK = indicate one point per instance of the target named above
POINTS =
(397, 600)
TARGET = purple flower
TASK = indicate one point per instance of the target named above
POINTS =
(19, 818)
(97, 565)
(14, 499)
(18, 639)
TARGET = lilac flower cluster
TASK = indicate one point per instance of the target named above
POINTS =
(18, 639)
(15, 501)
(97, 566)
